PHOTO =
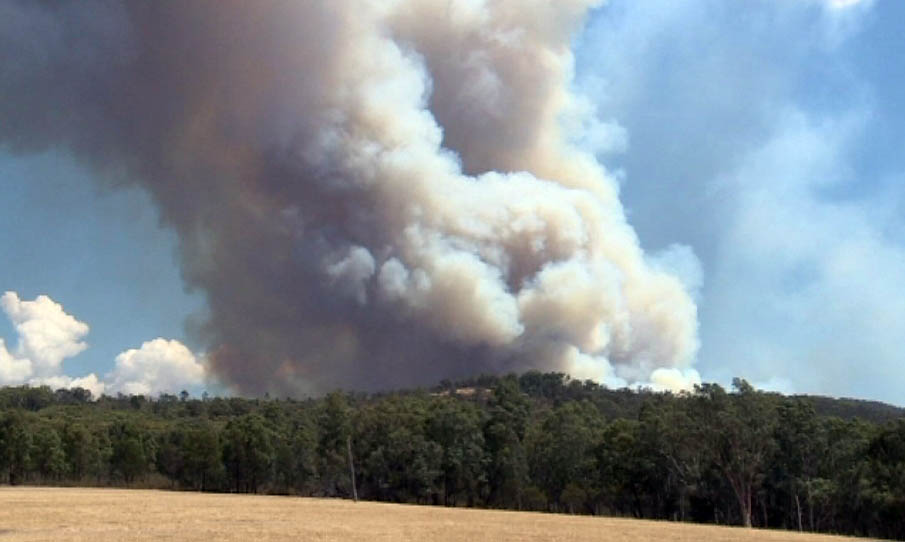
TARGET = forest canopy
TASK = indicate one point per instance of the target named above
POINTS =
(538, 441)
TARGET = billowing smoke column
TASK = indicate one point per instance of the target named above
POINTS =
(370, 194)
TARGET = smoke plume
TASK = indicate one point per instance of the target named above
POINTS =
(370, 194)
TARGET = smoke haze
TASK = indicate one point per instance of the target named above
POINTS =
(369, 194)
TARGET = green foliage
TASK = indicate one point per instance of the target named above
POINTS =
(83, 452)
(15, 446)
(398, 459)
(201, 452)
(132, 451)
(248, 454)
(561, 452)
(457, 427)
(47, 456)
(507, 471)
(334, 427)
(534, 442)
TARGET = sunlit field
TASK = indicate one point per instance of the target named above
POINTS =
(100, 515)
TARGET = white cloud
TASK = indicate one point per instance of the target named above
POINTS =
(89, 382)
(844, 4)
(12, 369)
(158, 366)
(842, 19)
(47, 336)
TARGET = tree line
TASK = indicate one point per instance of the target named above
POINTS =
(537, 441)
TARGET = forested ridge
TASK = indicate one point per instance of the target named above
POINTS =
(531, 442)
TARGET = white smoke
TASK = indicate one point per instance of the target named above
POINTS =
(370, 194)
(545, 267)
(674, 380)
(798, 229)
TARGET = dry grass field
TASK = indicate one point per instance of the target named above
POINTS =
(108, 515)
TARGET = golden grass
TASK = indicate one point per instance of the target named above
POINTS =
(102, 515)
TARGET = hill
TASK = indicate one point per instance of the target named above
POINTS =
(850, 409)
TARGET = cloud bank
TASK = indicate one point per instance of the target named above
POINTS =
(47, 335)
(158, 366)
(370, 195)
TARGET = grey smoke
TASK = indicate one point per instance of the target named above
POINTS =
(370, 194)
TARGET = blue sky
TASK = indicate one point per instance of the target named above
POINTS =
(101, 254)
(766, 139)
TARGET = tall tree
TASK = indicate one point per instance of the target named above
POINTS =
(132, 451)
(334, 427)
(507, 472)
(800, 443)
(81, 449)
(886, 457)
(248, 453)
(457, 427)
(15, 446)
(561, 453)
(202, 455)
(47, 456)
(738, 428)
